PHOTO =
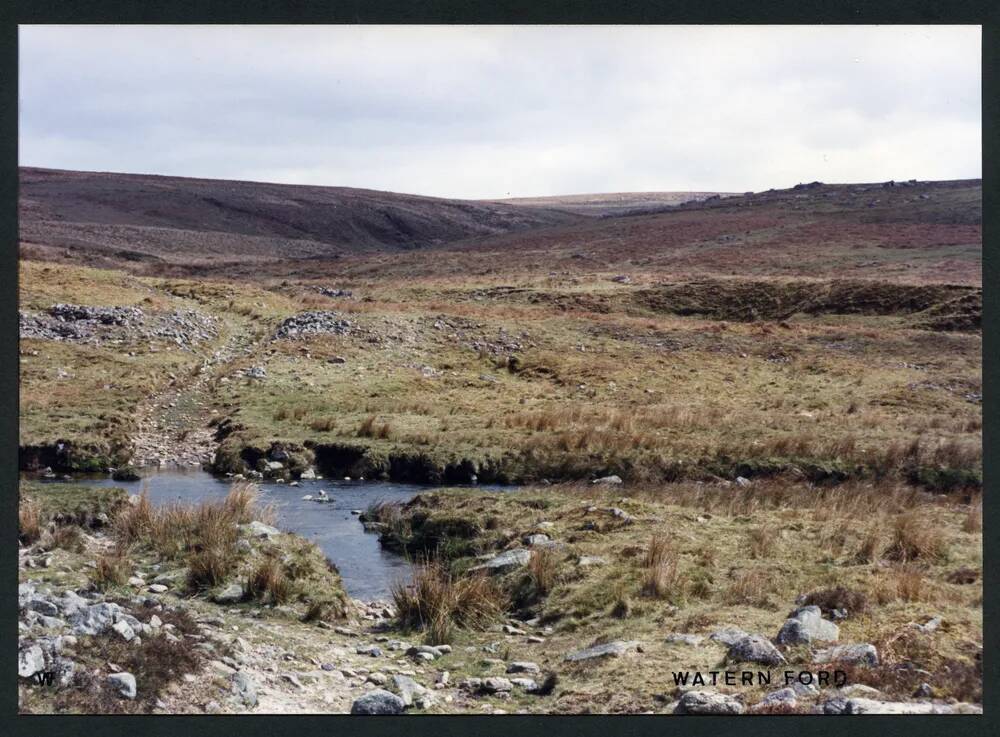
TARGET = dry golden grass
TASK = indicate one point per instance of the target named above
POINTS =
(210, 567)
(915, 537)
(909, 581)
(543, 571)
(872, 544)
(29, 521)
(267, 582)
(371, 429)
(112, 568)
(973, 522)
(660, 570)
(752, 588)
(64, 537)
(437, 602)
(760, 542)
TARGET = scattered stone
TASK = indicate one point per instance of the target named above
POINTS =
(373, 650)
(854, 654)
(260, 530)
(742, 482)
(505, 561)
(496, 684)
(124, 684)
(755, 649)
(536, 539)
(245, 689)
(124, 630)
(871, 706)
(805, 626)
(313, 323)
(728, 635)
(523, 666)
(609, 649)
(585, 561)
(30, 660)
(686, 639)
(781, 697)
(707, 702)
(231, 594)
(378, 702)
(608, 480)
(411, 692)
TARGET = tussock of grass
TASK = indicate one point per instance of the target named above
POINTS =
(267, 582)
(914, 537)
(29, 521)
(437, 602)
(112, 568)
(661, 572)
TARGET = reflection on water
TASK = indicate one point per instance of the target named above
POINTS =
(368, 570)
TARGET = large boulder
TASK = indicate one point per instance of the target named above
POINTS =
(707, 702)
(755, 649)
(378, 702)
(805, 626)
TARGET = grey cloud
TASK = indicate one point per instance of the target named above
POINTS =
(492, 111)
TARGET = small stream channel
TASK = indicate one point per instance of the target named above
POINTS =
(368, 571)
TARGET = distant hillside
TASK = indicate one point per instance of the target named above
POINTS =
(130, 217)
(613, 203)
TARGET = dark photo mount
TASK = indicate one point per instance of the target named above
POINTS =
(291, 448)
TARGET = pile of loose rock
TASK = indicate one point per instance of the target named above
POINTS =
(96, 325)
(318, 322)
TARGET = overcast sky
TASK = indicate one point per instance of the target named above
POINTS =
(473, 112)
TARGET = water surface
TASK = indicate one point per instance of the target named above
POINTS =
(368, 571)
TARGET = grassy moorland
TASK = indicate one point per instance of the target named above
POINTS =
(788, 384)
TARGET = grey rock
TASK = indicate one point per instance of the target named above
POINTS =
(783, 696)
(728, 635)
(30, 660)
(42, 606)
(755, 649)
(258, 529)
(123, 630)
(854, 653)
(872, 706)
(245, 689)
(495, 684)
(528, 685)
(608, 480)
(506, 561)
(96, 619)
(609, 649)
(124, 684)
(536, 539)
(707, 702)
(373, 650)
(805, 626)
(411, 692)
(685, 639)
(523, 666)
(414, 651)
(230, 594)
(378, 702)
(585, 561)
(70, 603)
